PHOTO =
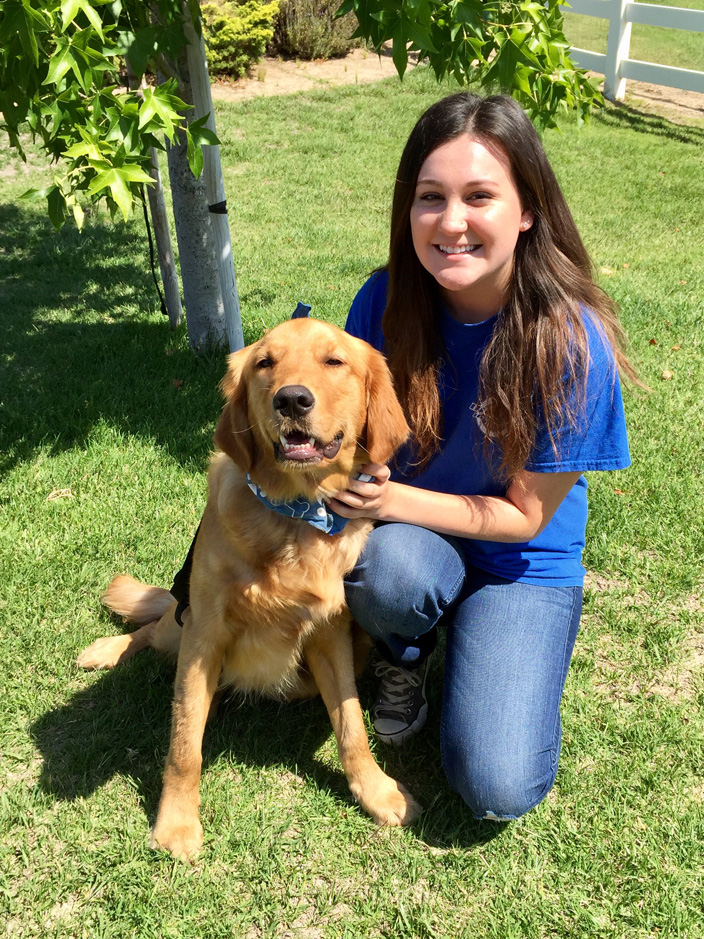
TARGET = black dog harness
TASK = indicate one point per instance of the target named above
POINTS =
(181, 589)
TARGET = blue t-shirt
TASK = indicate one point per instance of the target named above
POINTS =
(462, 466)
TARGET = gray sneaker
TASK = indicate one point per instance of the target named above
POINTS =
(401, 706)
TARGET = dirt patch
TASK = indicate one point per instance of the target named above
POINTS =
(274, 76)
(677, 682)
(600, 583)
(683, 107)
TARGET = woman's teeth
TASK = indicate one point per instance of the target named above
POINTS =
(457, 249)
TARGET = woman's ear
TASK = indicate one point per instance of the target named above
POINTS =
(233, 433)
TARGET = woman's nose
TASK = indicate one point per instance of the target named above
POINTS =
(454, 217)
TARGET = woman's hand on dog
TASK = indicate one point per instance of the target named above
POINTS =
(365, 499)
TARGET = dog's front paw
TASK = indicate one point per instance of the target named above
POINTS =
(182, 838)
(388, 802)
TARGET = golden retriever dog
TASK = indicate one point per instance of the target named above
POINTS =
(305, 406)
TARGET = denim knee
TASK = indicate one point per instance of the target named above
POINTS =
(405, 579)
(497, 784)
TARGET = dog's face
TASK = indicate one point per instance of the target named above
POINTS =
(305, 402)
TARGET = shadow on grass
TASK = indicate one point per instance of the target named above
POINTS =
(623, 117)
(120, 726)
(78, 349)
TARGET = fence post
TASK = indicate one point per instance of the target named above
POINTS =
(617, 49)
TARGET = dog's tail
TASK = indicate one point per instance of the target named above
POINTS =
(140, 603)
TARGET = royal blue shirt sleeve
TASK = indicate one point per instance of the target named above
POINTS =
(598, 439)
(367, 310)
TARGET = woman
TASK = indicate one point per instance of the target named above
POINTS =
(505, 355)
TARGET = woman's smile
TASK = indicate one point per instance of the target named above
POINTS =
(457, 249)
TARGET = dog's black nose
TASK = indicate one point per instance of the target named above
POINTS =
(294, 400)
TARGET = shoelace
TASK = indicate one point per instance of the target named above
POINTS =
(397, 687)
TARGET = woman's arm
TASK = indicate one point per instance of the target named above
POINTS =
(530, 502)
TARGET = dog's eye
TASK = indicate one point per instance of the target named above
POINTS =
(266, 362)
(333, 362)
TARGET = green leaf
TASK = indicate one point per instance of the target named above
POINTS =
(466, 11)
(82, 149)
(399, 52)
(156, 106)
(35, 195)
(140, 49)
(419, 36)
(520, 79)
(60, 63)
(17, 22)
(115, 180)
(71, 8)
(202, 134)
(120, 192)
(56, 203)
(194, 155)
(133, 173)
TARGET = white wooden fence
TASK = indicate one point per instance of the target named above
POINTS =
(615, 65)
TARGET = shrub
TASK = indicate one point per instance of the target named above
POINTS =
(308, 29)
(236, 34)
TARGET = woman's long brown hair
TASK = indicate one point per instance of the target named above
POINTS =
(534, 367)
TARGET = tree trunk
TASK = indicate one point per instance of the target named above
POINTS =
(202, 295)
(160, 223)
(206, 310)
(214, 184)
(167, 263)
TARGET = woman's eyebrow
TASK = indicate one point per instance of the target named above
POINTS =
(429, 181)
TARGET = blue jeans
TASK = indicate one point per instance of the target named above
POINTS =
(508, 648)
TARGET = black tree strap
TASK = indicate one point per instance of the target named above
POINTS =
(164, 311)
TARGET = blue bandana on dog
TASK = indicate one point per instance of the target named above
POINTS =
(316, 514)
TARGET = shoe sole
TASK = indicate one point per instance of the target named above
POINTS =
(410, 731)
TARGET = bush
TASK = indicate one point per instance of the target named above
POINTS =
(236, 34)
(308, 29)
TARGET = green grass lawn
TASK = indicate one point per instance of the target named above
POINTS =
(103, 462)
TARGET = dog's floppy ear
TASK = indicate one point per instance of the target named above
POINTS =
(386, 426)
(233, 435)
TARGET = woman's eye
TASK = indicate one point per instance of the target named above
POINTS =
(479, 197)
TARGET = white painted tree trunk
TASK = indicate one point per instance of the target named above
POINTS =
(214, 183)
(200, 277)
(205, 254)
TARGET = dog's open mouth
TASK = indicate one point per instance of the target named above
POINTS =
(305, 449)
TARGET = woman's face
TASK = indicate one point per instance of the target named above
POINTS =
(465, 219)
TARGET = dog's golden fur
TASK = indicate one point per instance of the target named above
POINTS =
(267, 609)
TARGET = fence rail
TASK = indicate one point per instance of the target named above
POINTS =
(615, 64)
